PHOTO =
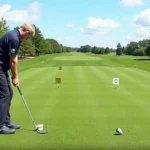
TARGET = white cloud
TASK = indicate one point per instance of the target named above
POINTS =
(143, 18)
(142, 32)
(98, 26)
(34, 8)
(69, 25)
(141, 23)
(4, 8)
(30, 14)
(132, 3)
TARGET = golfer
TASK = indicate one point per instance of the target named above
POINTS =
(9, 48)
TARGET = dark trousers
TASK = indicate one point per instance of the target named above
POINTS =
(6, 94)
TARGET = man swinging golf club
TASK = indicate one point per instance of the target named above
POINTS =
(9, 48)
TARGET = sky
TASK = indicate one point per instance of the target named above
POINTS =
(74, 23)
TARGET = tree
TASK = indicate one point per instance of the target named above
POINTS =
(38, 41)
(130, 48)
(147, 50)
(74, 49)
(97, 50)
(27, 48)
(143, 43)
(81, 49)
(48, 48)
(101, 50)
(139, 52)
(119, 50)
(3, 27)
(134, 45)
(67, 49)
(85, 49)
(57, 48)
(123, 50)
(107, 50)
(93, 50)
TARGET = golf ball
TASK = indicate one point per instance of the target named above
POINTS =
(119, 131)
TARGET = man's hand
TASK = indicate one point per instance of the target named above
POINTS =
(15, 82)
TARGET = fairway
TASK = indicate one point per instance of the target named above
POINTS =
(84, 112)
(77, 58)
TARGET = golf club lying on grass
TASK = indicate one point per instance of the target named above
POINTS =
(39, 128)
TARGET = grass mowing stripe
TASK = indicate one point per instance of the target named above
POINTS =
(38, 110)
(140, 76)
(74, 112)
(85, 110)
(39, 87)
(30, 73)
(127, 91)
(64, 123)
(88, 120)
(129, 79)
(126, 111)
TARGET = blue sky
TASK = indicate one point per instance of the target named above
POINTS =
(102, 23)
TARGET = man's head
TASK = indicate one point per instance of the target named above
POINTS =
(27, 30)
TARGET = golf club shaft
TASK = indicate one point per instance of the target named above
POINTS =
(25, 102)
(26, 105)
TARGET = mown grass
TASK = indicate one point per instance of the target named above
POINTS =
(84, 112)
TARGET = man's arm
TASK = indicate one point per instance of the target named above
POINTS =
(13, 66)
(13, 60)
(14, 70)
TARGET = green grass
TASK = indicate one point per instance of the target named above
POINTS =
(84, 112)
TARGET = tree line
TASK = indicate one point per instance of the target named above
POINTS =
(141, 48)
(95, 50)
(36, 45)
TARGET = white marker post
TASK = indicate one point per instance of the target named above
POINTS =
(115, 82)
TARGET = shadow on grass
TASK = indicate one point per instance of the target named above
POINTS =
(35, 130)
(146, 59)
(117, 134)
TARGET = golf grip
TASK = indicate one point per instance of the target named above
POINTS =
(19, 90)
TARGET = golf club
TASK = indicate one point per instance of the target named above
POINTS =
(39, 128)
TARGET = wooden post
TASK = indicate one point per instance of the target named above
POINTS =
(60, 67)
(58, 80)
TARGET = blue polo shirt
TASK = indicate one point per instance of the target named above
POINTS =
(9, 46)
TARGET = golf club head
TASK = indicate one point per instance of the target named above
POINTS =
(42, 131)
(39, 129)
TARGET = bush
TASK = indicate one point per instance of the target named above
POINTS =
(139, 52)
(147, 51)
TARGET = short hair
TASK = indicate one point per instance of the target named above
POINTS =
(28, 27)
